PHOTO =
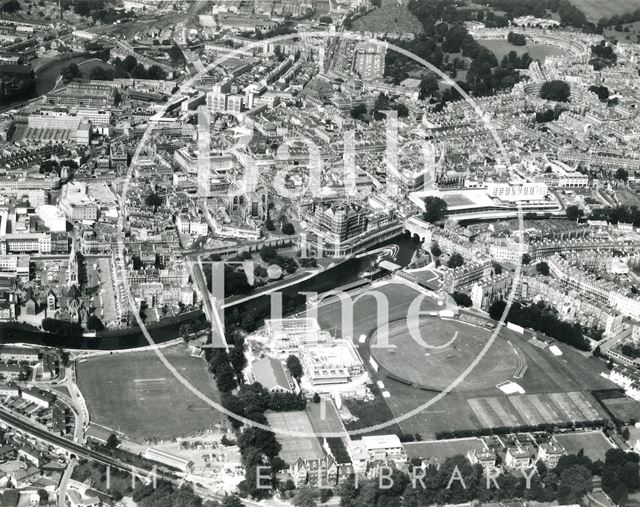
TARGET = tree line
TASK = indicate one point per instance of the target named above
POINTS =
(540, 317)
(457, 481)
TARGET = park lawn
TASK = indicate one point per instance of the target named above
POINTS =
(571, 372)
(594, 444)
(390, 17)
(136, 394)
(623, 408)
(628, 197)
(87, 66)
(371, 413)
(597, 9)
(501, 47)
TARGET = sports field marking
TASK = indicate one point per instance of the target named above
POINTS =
(526, 409)
(295, 447)
(477, 407)
(508, 419)
(142, 380)
(584, 405)
(564, 402)
(522, 365)
(547, 413)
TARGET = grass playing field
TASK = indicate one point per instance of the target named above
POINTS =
(136, 394)
(573, 372)
(533, 409)
(593, 443)
(429, 361)
(623, 408)
(502, 47)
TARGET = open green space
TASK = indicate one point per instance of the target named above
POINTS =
(573, 372)
(597, 9)
(594, 444)
(502, 47)
(136, 394)
(440, 350)
(389, 17)
(628, 197)
(623, 408)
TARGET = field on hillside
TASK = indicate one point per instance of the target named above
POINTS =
(389, 17)
(597, 9)
(136, 394)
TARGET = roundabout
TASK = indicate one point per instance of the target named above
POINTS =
(446, 348)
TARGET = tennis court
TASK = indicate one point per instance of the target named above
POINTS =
(324, 417)
(295, 447)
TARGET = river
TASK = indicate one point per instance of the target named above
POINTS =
(340, 274)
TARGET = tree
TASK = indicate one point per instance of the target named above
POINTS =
(574, 213)
(62, 327)
(435, 249)
(435, 209)
(575, 482)
(295, 367)
(233, 404)
(542, 268)
(232, 501)
(254, 397)
(526, 259)
(325, 494)
(497, 309)
(358, 112)
(129, 63)
(621, 174)
(153, 200)
(269, 225)
(100, 74)
(64, 357)
(288, 229)
(456, 260)
(625, 433)
(225, 378)
(113, 442)
(601, 91)
(306, 497)
(44, 496)
(11, 6)
(517, 39)
(70, 72)
(428, 86)
(94, 323)
(316, 398)
(497, 268)
(156, 72)
(462, 299)
(556, 90)
(139, 72)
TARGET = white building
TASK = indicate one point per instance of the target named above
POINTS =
(382, 447)
(518, 191)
